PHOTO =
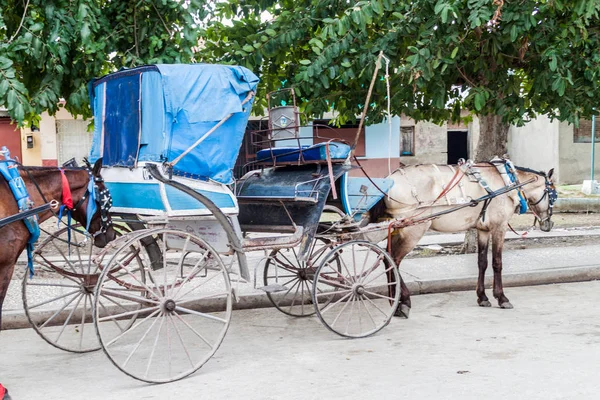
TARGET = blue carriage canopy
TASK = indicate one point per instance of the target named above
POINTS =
(156, 112)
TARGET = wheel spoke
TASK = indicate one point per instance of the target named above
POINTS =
(202, 283)
(140, 282)
(295, 295)
(209, 296)
(342, 311)
(138, 344)
(83, 320)
(67, 320)
(54, 299)
(132, 328)
(200, 314)
(107, 313)
(180, 264)
(128, 313)
(191, 275)
(193, 330)
(53, 285)
(380, 296)
(126, 296)
(368, 311)
(181, 341)
(330, 306)
(375, 305)
(162, 320)
(385, 271)
(58, 312)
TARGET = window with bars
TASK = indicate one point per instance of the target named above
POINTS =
(583, 134)
(74, 140)
(407, 141)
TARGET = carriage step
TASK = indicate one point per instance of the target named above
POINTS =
(274, 288)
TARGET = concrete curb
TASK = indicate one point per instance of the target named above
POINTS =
(576, 205)
(18, 319)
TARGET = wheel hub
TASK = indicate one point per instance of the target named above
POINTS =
(359, 289)
(170, 305)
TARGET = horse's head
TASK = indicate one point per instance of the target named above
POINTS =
(92, 211)
(541, 198)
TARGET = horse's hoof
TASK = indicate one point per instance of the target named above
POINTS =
(506, 305)
(403, 311)
(484, 303)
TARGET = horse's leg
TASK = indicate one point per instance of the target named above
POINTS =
(483, 241)
(497, 245)
(403, 241)
(6, 272)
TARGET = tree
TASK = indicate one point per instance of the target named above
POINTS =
(50, 49)
(504, 61)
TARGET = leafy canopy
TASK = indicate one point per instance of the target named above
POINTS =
(50, 49)
(514, 59)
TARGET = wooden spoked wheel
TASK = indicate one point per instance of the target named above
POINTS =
(183, 305)
(362, 304)
(294, 278)
(58, 298)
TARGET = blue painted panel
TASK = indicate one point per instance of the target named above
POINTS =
(98, 106)
(136, 195)
(353, 200)
(181, 201)
(122, 121)
(338, 151)
(377, 140)
(153, 140)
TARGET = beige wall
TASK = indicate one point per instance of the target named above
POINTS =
(31, 156)
(535, 145)
(575, 158)
(431, 143)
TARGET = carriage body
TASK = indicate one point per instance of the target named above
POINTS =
(169, 137)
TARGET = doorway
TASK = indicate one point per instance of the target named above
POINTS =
(11, 138)
(458, 145)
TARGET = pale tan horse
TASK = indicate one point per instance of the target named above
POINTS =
(417, 187)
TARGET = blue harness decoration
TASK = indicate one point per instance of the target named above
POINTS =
(9, 170)
(511, 174)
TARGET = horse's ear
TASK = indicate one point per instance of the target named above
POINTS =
(97, 167)
(550, 173)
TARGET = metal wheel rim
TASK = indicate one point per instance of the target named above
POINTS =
(136, 236)
(344, 297)
(73, 283)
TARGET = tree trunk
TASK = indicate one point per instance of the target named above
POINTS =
(493, 138)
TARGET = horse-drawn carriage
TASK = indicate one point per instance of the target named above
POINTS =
(160, 296)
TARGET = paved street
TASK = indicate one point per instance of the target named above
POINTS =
(548, 347)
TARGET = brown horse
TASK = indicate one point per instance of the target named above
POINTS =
(415, 196)
(45, 184)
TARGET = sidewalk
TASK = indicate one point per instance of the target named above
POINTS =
(437, 274)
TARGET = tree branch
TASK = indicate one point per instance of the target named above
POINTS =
(20, 24)
(163, 21)
(470, 82)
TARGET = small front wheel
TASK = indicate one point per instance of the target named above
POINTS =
(364, 300)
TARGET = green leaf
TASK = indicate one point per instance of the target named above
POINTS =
(38, 26)
(553, 63)
(479, 101)
(3, 87)
(247, 48)
(5, 63)
(85, 31)
(513, 33)
(270, 32)
(454, 53)
(305, 62)
(346, 63)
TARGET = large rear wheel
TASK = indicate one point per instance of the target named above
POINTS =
(183, 306)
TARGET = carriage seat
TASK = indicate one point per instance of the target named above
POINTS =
(338, 152)
(359, 194)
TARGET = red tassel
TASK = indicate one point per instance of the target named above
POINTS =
(67, 198)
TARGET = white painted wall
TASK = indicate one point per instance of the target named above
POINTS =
(535, 145)
(379, 144)
(575, 158)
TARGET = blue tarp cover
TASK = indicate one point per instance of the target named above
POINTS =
(179, 104)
